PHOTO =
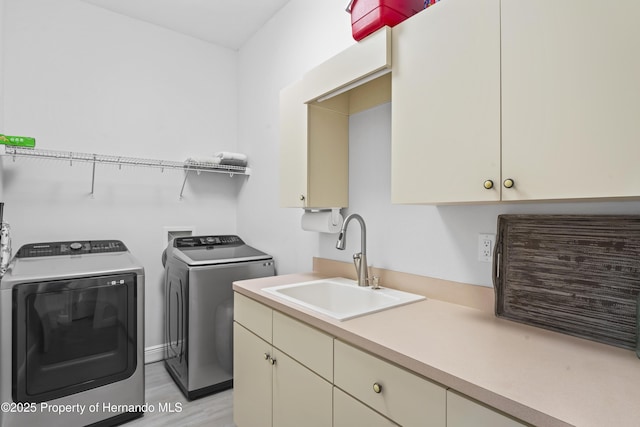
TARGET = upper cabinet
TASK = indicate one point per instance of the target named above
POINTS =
(446, 104)
(314, 122)
(314, 153)
(493, 100)
(570, 99)
(351, 67)
(516, 100)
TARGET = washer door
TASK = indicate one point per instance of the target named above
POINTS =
(72, 335)
(176, 290)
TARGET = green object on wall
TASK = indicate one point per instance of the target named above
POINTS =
(20, 141)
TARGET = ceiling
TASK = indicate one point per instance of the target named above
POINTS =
(228, 23)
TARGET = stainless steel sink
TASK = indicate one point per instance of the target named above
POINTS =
(341, 298)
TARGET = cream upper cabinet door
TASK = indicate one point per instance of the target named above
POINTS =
(570, 99)
(446, 104)
(293, 147)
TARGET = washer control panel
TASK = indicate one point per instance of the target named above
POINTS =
(199, 241)
(79, 247)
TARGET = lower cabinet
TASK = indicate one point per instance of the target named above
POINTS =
(462, 412)
(270, 387)
(300, 397)
(348, 412)
(289, 374)
(252, 379)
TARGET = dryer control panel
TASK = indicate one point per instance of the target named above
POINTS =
(198, 241)
(79, 247)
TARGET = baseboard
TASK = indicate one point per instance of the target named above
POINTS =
(154, 353)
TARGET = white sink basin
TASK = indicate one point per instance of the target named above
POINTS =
(341, 298)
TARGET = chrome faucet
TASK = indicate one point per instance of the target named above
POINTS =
(360, 258)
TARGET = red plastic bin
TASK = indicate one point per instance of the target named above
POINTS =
(367, 16)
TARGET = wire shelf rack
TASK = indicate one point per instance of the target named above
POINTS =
(72, 156)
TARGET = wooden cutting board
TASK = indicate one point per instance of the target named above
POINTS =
(579, 275)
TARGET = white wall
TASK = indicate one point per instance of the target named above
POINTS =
(80, 78)
(437, 241)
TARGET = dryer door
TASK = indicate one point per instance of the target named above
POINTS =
(73, 335)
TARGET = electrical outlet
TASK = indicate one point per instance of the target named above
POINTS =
(486, 243)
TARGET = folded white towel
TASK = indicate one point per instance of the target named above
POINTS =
(228, 155)
(223, 158)
(231, 159)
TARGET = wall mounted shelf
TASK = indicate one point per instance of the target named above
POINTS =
(70, 156)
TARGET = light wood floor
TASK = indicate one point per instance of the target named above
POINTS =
(215, 410)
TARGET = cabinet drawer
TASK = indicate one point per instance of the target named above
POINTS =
(253, 316)
(404, 397)
(462, 412)
(348, 412)
(307, 345)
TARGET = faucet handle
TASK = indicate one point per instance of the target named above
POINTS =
(375, 282)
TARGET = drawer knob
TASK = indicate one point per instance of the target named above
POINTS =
(302, 197)
(508, 183)
(267, 356)
(488, 184)
(272, 361)
(377, 388)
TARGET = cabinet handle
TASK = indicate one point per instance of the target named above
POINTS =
(488, 184)
(508, 183)
(377, 388)
(302, 197)
(267, 356)
(272, 361)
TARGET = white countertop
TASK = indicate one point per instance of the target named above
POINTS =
(541, 377)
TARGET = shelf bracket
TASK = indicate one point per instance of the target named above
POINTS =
(93, 175)
(186, 175)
